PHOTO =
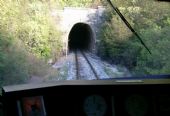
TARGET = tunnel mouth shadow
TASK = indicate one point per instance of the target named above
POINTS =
(81, 37)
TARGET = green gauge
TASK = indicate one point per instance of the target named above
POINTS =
(136, 105)
(95, 105)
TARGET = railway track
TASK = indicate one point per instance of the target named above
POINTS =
(78, 65)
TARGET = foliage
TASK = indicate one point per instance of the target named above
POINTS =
(28, 37)
(17, 65)
(13, 62)
(151, 20)
(31, 23)
(79, 3)
(158, 62)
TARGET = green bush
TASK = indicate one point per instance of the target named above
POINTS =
(151, 21)
(28, 38)
(31, 23)
(13, 61)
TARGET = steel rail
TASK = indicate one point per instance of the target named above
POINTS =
(77, 66)
(78, 76)
(88, 61)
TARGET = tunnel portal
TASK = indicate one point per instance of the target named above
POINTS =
(81, 37)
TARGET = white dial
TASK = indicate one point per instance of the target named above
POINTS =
(95, 105)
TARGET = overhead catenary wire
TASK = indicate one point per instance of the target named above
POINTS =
(128, 25)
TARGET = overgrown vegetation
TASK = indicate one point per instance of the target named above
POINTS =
(79, 3)
(28, 38)
(151, 19)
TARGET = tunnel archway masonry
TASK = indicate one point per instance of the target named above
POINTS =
(70, 16)
(81, 37)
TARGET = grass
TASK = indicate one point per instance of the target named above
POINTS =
(119, 73)
(57, 74)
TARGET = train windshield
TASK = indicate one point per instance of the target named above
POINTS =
(46, 41)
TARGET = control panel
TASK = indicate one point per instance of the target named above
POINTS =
(87, 98)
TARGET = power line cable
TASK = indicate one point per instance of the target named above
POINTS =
(128, 25)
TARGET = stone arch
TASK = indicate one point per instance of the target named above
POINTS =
(81, 37)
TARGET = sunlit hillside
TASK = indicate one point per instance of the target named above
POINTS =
(30, 38)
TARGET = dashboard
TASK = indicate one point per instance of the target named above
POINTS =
(116, 97)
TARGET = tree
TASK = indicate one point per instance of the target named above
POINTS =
(151, 20)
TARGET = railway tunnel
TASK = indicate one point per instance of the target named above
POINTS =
(81, 37)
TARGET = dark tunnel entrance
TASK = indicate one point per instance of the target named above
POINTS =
(81, 37)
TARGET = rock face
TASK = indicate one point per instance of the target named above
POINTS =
(67, 67)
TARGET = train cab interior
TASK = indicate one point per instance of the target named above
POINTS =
(127, 96)
(115, 97)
